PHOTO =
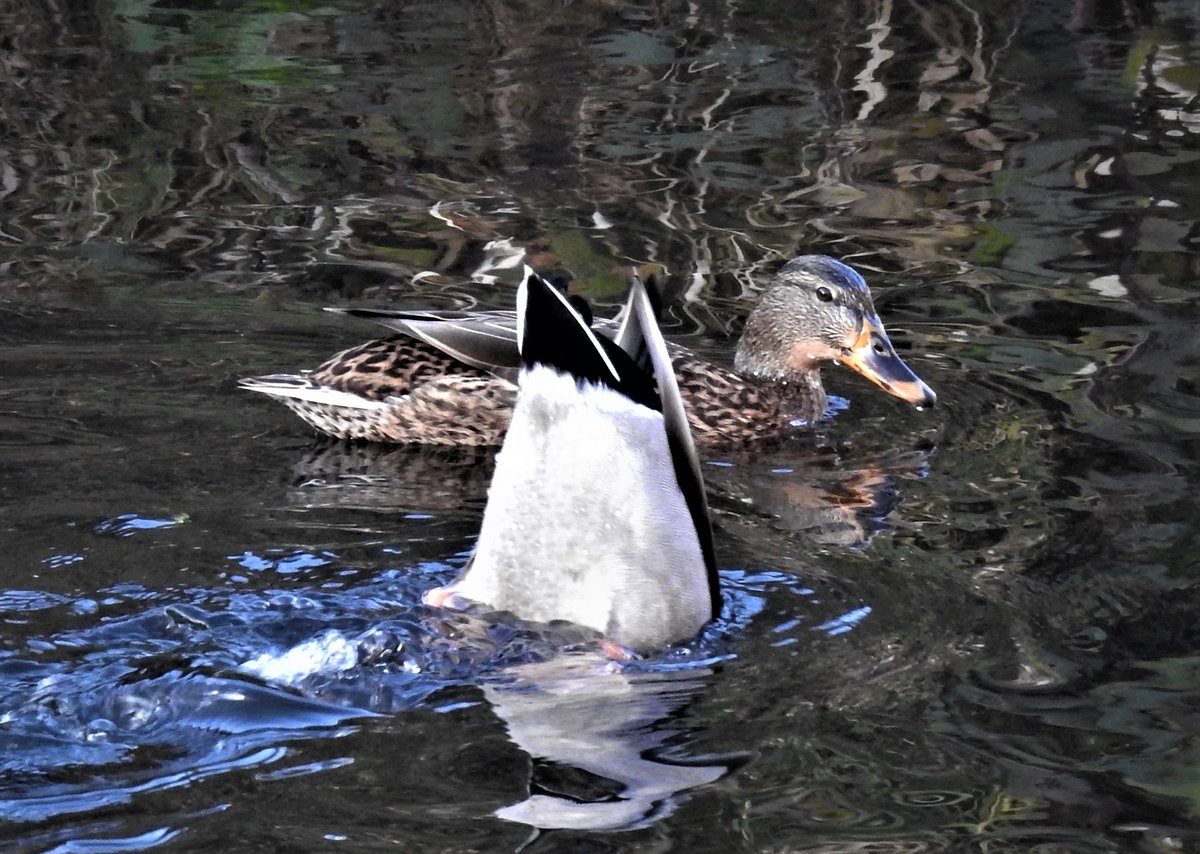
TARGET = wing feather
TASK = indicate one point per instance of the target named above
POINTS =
(484, 340)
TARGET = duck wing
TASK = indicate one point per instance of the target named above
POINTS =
(574, 348)
(482, 339)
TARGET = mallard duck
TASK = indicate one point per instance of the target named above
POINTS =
(596, 512)
(449, 377)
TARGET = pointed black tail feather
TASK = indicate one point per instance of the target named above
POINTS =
(552, 333)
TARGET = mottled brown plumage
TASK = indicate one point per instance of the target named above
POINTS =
(727, 408)
(408, 388)
(420, 394)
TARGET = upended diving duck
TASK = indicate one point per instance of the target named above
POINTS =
(596, 512)
(449, 377)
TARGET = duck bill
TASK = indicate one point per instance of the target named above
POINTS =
(873, 356)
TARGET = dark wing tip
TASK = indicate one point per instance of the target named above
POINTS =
(647, 338)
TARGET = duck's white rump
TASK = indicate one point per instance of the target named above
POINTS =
(586, 520)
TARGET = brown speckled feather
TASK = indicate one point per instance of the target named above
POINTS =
(415, 392)
(726, 408)
(454, 410)
(450, 410)
(389, 367)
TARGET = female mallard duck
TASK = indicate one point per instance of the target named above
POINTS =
(449, 377)
(596, 511)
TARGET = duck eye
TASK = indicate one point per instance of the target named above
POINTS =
(824, 294)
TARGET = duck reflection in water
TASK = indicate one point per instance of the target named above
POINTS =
(599, 738)
(824, 496)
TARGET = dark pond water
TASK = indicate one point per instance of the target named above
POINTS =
(968, 629)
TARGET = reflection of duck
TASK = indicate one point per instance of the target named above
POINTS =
(829, 498)
(596, 512)
(601, 742)
(825, 497)
(422, 479)
(448, 378)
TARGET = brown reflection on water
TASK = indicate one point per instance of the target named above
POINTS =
(713, 143)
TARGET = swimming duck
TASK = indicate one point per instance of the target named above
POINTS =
(596, 512)
(448, 377)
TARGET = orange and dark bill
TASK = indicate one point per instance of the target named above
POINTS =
(873, 356)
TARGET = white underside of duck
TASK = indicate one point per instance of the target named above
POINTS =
(586, 521)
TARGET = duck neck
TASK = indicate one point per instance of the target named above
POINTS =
(763, 352)
(799, 390)
(808, 400)
(768, 353)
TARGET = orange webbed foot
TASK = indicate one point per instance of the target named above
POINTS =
(445, 597)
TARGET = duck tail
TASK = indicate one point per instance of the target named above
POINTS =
(553, 334)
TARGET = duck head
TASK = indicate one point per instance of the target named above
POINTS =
(817, 309)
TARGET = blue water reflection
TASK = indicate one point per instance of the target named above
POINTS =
(173, 695)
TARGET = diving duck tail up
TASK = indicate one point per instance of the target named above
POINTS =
(449, 377)
(596, 513)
